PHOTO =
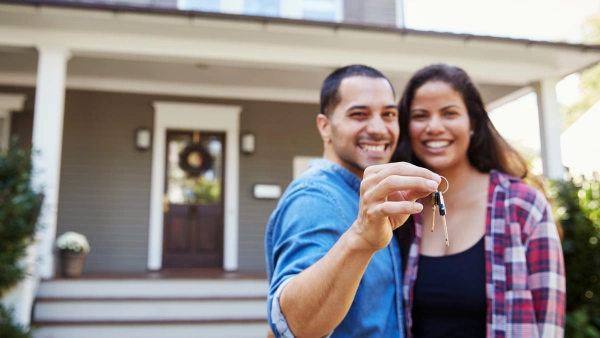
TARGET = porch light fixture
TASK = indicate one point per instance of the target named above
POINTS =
(247, 143)
(142, 138)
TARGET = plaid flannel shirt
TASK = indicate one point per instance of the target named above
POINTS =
(525, 274)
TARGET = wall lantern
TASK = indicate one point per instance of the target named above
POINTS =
(143, 138)
(247, 143)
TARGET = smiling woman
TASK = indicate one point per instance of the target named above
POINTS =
(444, 127)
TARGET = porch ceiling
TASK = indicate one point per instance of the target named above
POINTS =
(18, 67)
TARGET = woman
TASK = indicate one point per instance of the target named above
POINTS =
(502, 274)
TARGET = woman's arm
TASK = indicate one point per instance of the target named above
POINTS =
(546, 268)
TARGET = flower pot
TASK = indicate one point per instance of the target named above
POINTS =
(72, 263)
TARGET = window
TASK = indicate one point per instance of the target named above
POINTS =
(261, 7)
(199, 5)
(321, 10)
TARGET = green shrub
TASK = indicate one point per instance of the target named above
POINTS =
(8, 329)
(577, 208)
(19, 210)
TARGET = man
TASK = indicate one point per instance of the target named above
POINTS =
(331, 263)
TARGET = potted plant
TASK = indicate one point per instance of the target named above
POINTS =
(73, 248)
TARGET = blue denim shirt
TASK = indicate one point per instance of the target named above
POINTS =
(315, 210)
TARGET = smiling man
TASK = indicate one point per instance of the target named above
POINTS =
(332, 266)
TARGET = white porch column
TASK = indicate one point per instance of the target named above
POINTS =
(550, 128)
(47, 141)
(8, 104)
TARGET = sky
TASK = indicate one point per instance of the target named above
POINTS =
(550, 20)
(553, 20)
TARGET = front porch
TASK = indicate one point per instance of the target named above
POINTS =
(80, 82)
(172, 303)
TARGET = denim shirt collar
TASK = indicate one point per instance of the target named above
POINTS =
(346, 175)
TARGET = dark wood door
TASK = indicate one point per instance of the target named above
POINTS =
(193, 200)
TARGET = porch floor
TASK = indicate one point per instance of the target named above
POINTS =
(170, 274)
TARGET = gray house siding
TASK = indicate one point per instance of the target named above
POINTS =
(371, 12)
(105, 181)
(283, 131)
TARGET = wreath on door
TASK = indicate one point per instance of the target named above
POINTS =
(194, 159)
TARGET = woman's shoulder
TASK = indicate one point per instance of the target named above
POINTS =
(516, 186)
(520, 193)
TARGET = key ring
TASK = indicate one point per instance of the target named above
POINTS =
(447, 185)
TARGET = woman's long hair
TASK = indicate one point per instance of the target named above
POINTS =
(487, 149)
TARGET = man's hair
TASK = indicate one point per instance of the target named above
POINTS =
(329, 90)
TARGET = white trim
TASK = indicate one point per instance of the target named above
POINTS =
(203, 117)
(509, 98)
(9, 103)
(12, 102)
(173, 88)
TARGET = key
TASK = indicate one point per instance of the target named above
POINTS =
(440, 202)
(433, 204)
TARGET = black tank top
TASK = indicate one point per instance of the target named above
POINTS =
(449, 295)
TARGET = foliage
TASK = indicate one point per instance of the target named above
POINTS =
(10, 330)
(19, 210)
(589, 78)
(577, 208)
(206, 190)
(589, 84)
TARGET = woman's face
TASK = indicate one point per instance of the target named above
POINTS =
(439, 127)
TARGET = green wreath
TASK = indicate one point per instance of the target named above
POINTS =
(195, 160)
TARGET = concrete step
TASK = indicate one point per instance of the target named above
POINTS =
(153, 288)
(122, 309)
(175, 329)
(145, 307)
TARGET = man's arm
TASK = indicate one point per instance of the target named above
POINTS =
(315, 301)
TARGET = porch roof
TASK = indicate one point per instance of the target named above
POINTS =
(115, 7)
(223, 55)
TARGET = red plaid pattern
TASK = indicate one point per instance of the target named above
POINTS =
(525, 273)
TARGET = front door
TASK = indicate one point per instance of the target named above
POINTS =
(193, 200)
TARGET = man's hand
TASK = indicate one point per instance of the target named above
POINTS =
(388, 195)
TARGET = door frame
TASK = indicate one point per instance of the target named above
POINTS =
(197, 116)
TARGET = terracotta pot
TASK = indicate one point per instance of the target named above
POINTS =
(72, 263)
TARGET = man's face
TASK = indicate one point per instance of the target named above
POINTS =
(362, 130)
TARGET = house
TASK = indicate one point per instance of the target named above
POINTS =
(112, 93)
